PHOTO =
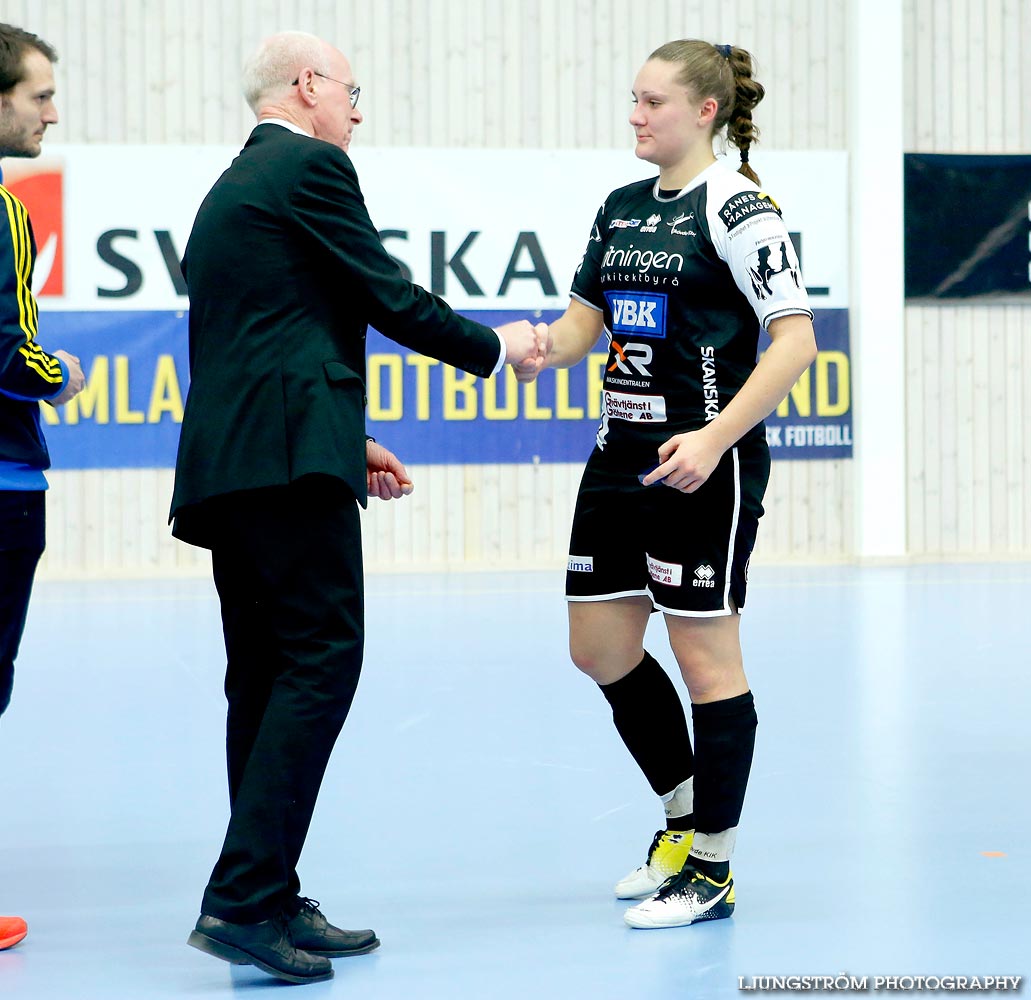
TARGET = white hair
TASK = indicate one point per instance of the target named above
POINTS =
(276, 64)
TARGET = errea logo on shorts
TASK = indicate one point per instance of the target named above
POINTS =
(642, 314)
(703, 577)
(581, 564)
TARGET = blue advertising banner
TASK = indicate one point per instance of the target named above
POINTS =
(136, 365)
(137, 373)
(815, 420)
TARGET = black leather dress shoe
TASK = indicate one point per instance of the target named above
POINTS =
(311, 931)
(267, 945)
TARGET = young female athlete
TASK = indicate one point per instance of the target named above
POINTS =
(679, 272)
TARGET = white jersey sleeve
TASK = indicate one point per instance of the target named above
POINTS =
(750, 236)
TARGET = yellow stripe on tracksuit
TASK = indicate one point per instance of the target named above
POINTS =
(47, 367)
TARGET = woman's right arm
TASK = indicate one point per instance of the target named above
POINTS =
(572, 335)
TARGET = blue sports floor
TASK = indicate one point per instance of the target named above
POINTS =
(480, 805)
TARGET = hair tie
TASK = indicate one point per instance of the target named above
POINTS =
(724, 50)
(744, 155)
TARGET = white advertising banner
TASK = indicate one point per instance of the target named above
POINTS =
(487, 229)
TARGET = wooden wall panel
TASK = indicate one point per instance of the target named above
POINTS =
(552, 73)
(969, 392)
(968, 364)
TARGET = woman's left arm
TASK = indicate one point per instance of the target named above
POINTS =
(687, 460)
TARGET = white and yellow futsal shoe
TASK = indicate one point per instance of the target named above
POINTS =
(687, 897)
(666, 856)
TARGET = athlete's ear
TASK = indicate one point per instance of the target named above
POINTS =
(707, 111)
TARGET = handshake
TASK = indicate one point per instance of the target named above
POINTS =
(527, 347)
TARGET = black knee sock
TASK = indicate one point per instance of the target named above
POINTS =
(724, 733)
(649, 717)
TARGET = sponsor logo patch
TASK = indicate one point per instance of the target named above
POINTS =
(631, 359)
(651, 224)
(581, 564)
(624, 223)
(668, 574)
(771, 265)
(640, 313)
(744, 206)
(680, 220)
(710, 391)
(642, 261)
(637, 409)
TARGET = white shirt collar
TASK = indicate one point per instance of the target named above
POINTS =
(285, 124)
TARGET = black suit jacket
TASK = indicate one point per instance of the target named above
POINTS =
(285, 270)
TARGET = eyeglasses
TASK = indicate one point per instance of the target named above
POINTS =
(352, 90)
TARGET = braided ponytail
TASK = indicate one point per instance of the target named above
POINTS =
(741, 130)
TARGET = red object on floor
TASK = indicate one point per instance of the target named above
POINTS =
(12, 930)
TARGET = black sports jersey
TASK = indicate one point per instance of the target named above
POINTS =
(680, 282)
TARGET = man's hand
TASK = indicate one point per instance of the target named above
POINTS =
(520, 340)
(76, 380)
(528, 370)
(388, 479)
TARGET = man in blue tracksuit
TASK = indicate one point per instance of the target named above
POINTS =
(28, 374)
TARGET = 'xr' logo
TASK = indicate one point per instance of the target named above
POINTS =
(638, 355)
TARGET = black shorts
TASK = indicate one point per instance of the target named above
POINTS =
(688, 552)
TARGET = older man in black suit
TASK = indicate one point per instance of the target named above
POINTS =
(285, 270)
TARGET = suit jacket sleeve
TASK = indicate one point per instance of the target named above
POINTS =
(328, 205)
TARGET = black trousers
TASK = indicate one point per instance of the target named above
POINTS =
(287, 563)
(22, 533)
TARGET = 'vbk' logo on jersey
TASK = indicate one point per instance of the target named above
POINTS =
(641, 314)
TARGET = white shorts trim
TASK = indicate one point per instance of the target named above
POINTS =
(612, 597)
(733, 531)
(676, 612)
